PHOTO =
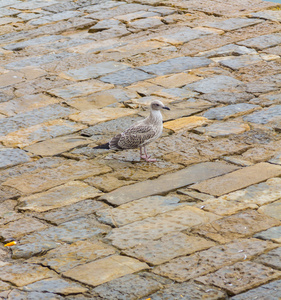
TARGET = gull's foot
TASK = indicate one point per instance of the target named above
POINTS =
(147, 158)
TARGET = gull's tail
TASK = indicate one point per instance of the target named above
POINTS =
(103, 146)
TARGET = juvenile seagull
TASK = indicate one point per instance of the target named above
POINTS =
(141, 133)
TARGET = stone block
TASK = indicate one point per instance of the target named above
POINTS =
(227, 97)
(271, 259)
(95, 71)
(168, 247)
(176, 65)
(66, 257)
(273, 234)
(129, 287)
(104, 270)
(69, 193)
(58, 286)
(166, 183)
(10, 157)
(264, 116)
(156, 227)
(145, 24)
(32, 5)
(20, 227)
(273, 15)
(39, 180)
(212, 259)
(234, 110)
(57, 145)
(214, 84)
(236, 63)
(126, 77)
(10, 78)
(23, 274)
(175, 93)
(138, 210)
(240, 277)
(273, 210)
(238, 179)
(263, 41)
(234, 23)
(185, 123)
(18, 294)
(240, 225)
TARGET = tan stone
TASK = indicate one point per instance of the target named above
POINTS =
(175, 80)
(106, 269)
(37, 181)
(57, 145)
(28, 136)
(10, 78)
(238, 179)
(185, 123)
(273, 210)
(144, 88)
(69, 193)
(31, 73)
(95, 116)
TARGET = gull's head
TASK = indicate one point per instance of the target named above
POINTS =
(157, 105)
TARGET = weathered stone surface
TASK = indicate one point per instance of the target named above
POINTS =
(130, 286)
(168, 247)
(74, 211)
(40, 132)
(138, 210)
(238, 179)
(234, 110)
(94, 116)
(10, 157)
(67, 256)
(20, 227)
(271, 259)
(23, 274)
(69, 193)
(126, 77)
(30, 182)
(176, 65)
(166, 183)
(273, 234)
(56, 17)
(80, 89)
(175, 93)
(17, 294)
(94, 71)
(106, 269)
(264, 116)
(240, 277)
(183, 35)
(273, 15)
(273, 210)
(155, 227)
(188, 267)
(10, 78)
(227, 98)
(263, 41)
(185, 123)
(214, 84)
(144, 24)
(57, 145)
(236, 63)
(234, 23)
(268, 291)
(237, 226)
(59, 286)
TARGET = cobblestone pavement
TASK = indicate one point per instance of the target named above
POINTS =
(204, 221)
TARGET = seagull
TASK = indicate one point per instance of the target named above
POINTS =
(141, 133)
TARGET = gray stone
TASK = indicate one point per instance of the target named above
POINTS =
(269, 291)
(176, 65)
(61, 7)
(234, 23)
(33, 42)
(56, 17)
(214, 84)
(273, 15)
(126, 77)
(263, 41)
(132, 286)
(166, 183)
(182, 35)
(135, 16)
(19, 295)
(272, 210)
(95, 71)
(10, 157)
(74, 211)
(66, 43)
(235, 63)
(144, 24)
(32, 4)
(176, 93)
(34, 117)
(104, 25)
(227, 98)
(273, 234)
(271, 259)
(264, 116)
(240, 277)
(234, 110)
(57, 286)
(4, 3)
(38, 60)
(138, 210)
(8, 12)
(188, 290)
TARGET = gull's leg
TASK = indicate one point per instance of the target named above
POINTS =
(147, 157)
(141, 154)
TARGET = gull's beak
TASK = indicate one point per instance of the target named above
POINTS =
(166, 107)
